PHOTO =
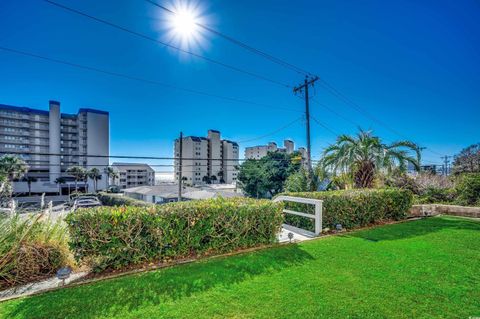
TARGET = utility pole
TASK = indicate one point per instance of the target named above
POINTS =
(304, 87)
(180, 181)
(446, 161)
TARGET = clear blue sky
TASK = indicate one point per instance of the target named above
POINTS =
(414, 65)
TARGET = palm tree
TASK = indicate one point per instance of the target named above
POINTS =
(60, 181)
(213, 178)
(114, 175)
(108, 171)
(220, 174)
(95, 175)
(206, 179)
(12, 166)
(364, 155)
(78, 174)
(29, 180)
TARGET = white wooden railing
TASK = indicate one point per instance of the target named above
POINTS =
(318, 210)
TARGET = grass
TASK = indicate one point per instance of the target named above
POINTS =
(423, 269)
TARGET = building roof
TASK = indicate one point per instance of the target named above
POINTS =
(89, 110)
(170, 190)
(167, 190)
(44, 112)
(22, 109)
(204, 194)
(231, 142)
(126, 166)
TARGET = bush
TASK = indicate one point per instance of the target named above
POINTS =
(114, 237)
(31, 250)
(468, 190)
(353, 208)
(433, 195)
(119, 200)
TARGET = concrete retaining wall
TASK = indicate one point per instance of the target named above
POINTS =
(437, 209)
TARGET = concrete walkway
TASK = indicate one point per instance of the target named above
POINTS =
(28, 289)
(298, 234)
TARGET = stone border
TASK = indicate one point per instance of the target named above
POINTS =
(440, 209)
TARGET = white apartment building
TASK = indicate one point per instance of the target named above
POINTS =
(133, 175)
(257, 152)
(51, 141)
(207, 157)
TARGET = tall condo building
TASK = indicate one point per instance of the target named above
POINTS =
(257, 152)
(207, 158)
(51, 142)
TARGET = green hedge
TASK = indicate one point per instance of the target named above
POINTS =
(353, 208)
(468, 190)
(119, 200)
(114, 237)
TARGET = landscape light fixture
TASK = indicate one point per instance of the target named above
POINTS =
(338, 227)
(64, 273)
(290, 236)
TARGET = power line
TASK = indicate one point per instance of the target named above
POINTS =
(240, 43)
(131, 156)
(271, 133)
(134, 78)
(331, 110)
(324, 126)
(146, 37)
(364, 112)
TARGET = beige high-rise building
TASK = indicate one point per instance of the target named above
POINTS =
(206, 159)
(257, 152)
(51, 141)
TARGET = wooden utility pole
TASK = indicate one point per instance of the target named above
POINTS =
(304, 87)
(180, 177)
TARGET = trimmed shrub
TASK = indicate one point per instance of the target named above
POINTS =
(352, 208)
(119, 200)
(31, 249)
(433, 195)
(468, 190)
(114, 237)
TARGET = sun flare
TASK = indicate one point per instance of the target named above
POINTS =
(184, 24)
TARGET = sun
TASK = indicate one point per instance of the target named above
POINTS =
(183, 24)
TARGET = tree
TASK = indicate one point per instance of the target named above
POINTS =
(109, 171)
(59, 181)
(12, 166)
(364, 155)
(468, 160)
(220, 175)
(266, 177)
(206, 179)
(297, 182)
(95, 175)
(114, 175)
(29, 180)
(78, 173)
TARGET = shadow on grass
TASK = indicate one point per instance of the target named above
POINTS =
(120, 296)
(416, 228)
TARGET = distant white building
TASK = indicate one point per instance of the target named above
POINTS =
(51, 142)
(133, 175)
(257, 152)
(207, 158)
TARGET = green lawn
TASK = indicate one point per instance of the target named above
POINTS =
(422, 269)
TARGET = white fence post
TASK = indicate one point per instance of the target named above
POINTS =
(317, 217)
